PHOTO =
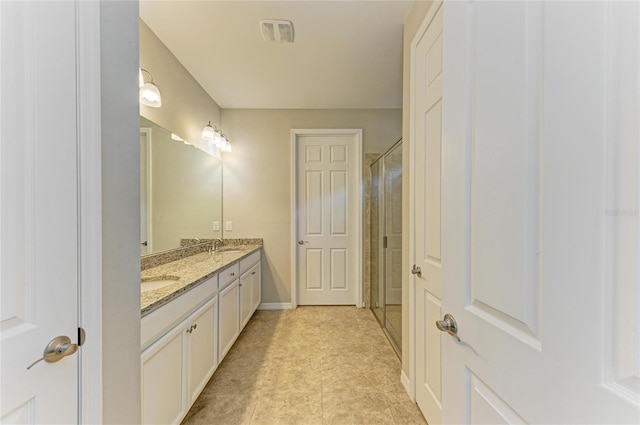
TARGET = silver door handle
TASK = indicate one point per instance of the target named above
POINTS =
(58, 348)
(416, 270)
(301, 242)
(145, 243)
(448, 325)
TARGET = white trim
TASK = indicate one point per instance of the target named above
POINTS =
(406, 383)
(358, 301)
(411, 384)
(90, 209)
(276, 306)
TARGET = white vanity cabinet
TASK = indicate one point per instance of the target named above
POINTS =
(184, 340)
(202, 348)
(179, 342)
(229, 308)
(250, 287)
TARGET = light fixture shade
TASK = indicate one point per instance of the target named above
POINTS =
(140, 78)
(217, 140)
(150, 95)
(209, 133)
(224, 146)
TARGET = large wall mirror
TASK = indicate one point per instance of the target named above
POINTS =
(180, 191)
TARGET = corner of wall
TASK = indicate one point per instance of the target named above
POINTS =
(120, 216)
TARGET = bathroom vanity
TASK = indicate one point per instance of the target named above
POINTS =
(193, 309)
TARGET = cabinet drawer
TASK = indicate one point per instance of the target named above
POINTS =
(228, 275)
(247, 263)
(158, 322)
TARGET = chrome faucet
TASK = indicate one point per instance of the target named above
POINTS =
(216, 243)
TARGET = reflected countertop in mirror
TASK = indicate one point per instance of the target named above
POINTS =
(180, 190)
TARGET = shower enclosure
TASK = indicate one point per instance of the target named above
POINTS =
(386, 243)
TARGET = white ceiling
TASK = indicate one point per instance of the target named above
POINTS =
(346, 54)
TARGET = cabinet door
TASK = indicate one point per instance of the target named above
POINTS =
(163, 379)
(202, 342)
(256, 287)
(229, 317)
(246, 299)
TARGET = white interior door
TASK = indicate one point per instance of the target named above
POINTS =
(540, 230)
(426, 113)
(328, 195)
(145, 191)
(39, 261)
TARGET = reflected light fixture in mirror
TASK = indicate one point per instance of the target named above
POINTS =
(149, 92)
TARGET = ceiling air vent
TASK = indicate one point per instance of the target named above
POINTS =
(277, 31)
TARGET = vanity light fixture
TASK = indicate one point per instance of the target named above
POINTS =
(224, 146)
(209, 133)
(149, 92)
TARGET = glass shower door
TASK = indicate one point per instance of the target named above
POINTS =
(377, 267)
(386, 243)
(393, 243)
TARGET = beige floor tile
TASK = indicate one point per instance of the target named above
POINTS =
(357, 407)
(291, 408)
(221, 409)
(407, 413)
(312, 365)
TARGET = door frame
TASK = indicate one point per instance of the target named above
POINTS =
(410, 381)
(89, 144)
(148, 135)
(295, 133)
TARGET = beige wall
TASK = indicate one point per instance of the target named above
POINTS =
(411, 26)
(257, 177)
(186, 107)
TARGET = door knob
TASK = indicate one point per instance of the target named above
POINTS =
(301, 242)
(448, 325)
(58, 348)
(416, 270)
(145, 243)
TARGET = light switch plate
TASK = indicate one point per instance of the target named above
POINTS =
(228, 226)
(216, 225)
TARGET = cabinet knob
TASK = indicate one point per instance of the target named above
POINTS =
(232, 274)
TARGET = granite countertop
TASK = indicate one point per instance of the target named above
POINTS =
(191, 271)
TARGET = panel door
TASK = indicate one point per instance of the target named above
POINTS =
(203, 347)
(541, 231)
(164, 379)
(39, 233)
(426, 170)
(229, 317)
(256, 286)
(327, 204)
(246, 298)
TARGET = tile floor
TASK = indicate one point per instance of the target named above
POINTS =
(312, 365)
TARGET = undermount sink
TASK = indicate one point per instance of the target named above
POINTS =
(228, 250)
(157, 282)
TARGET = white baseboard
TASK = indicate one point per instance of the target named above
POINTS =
(406, 384)
(275, 306)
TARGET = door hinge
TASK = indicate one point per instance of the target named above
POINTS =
(82, 335)
(384, 242)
